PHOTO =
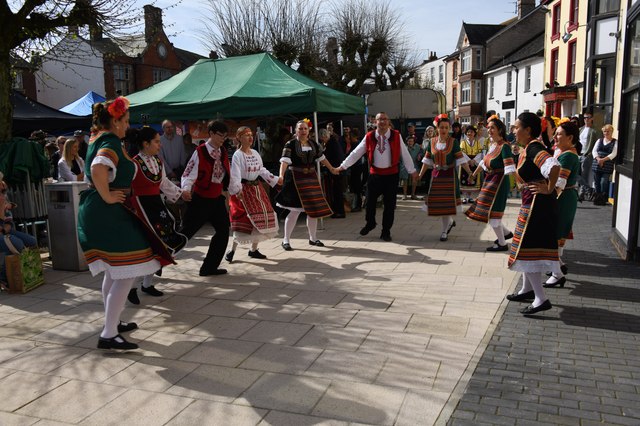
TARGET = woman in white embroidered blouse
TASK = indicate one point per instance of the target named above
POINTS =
(71, 165)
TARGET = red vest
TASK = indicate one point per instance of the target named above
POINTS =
(394, 142)
(145, 182)
(203, 185)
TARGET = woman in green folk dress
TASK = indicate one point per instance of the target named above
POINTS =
(568, 142)
(113, 241)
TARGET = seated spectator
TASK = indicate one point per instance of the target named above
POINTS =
(71, 165)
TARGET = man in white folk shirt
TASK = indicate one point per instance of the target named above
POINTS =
(384, 148)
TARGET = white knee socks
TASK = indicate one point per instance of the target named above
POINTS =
(289, 224)
(312, 226)
(535, 280)
(147, 281)
(446, 221)
(115, 294)
(500, 234)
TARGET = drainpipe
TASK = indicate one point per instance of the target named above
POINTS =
(516, 105)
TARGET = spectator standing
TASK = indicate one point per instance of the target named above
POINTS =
(604, 152)
(588, 138)
(71, 165)
(56, 156)
(172, 153)
(333, 184)
(82, 143)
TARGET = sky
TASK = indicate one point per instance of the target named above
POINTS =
(430, 25)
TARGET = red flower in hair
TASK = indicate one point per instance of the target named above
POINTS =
(306, 120)
(118, 107)
(439, 118)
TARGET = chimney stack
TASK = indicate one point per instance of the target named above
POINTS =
(152, 22)
(525, 7)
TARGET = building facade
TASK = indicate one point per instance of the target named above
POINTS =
(109, 67)
(564, 46)
(432, 74)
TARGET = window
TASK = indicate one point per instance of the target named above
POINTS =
(455, 70)
(433, 74)
(17, 82)
(527, 78)
(466, 61)
(571, 62)
(555, 22)
(509, 82)
(440, 73)
(478, 85)
(465, 92)
(553, 74)
(606, 6)
(455, 97)
(478, 59)
(160, 74)
(574, 13)
(491, 87)
(122, 79)
(507, 119)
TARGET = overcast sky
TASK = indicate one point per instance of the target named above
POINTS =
(430, 25)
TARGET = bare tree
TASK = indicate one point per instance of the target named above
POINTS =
(371, 46)
(31, 27)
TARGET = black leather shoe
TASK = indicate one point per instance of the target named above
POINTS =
(117, 342)
(559, 283)
(338, 216)
(256, 254)
(506, 237)
(316, 243)
(287, 247)
(498, 247)
(564, 269)
(530, 310)
(229, 256)
(132, 297)
(515, 297)
(207, 272)
(159, 272)
(152, 291)
(366, 229)
(124, 327)
(386, 236)
(451, 226)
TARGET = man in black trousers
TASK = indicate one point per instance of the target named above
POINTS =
(204, 180)
(384, 148)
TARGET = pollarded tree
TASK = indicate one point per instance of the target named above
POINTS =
(31, 27)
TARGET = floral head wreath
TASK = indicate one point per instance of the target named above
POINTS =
(306, 120)
(556, 121)
(563, 120)
(118, 107)
(439, 118)
(493, 117)
(243, 132)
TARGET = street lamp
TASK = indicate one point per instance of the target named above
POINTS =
(567, 35)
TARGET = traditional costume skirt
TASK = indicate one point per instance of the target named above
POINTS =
(535, 245)
(252, 219)
(492, 200)
(152, 210)
(114, 239)
(444, 193)
(567, 206)
(301, 190)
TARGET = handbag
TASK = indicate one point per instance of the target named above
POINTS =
(24, 269)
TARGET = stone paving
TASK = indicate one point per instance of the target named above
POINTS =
(358, 332)
(579, 363)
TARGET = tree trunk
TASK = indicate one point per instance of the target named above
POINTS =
(6, 108)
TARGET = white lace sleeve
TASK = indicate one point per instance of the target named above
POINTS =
(561, 183)
(427, 161)
(508, 170)
(548, 165)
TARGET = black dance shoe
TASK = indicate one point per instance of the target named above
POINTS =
(515, 297)
(207, 272)
(256, 254)
(530, 310)
(366, 229)
(498, 247)
(117, 342)
(159, 272)
(316, 243)
(124, 327)
(152, 291)
(287, 247)
(506, 237)
(229, 256)
(132, 297)
(559, 283)
(385, 236)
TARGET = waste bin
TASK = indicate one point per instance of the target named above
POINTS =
(63, 199)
